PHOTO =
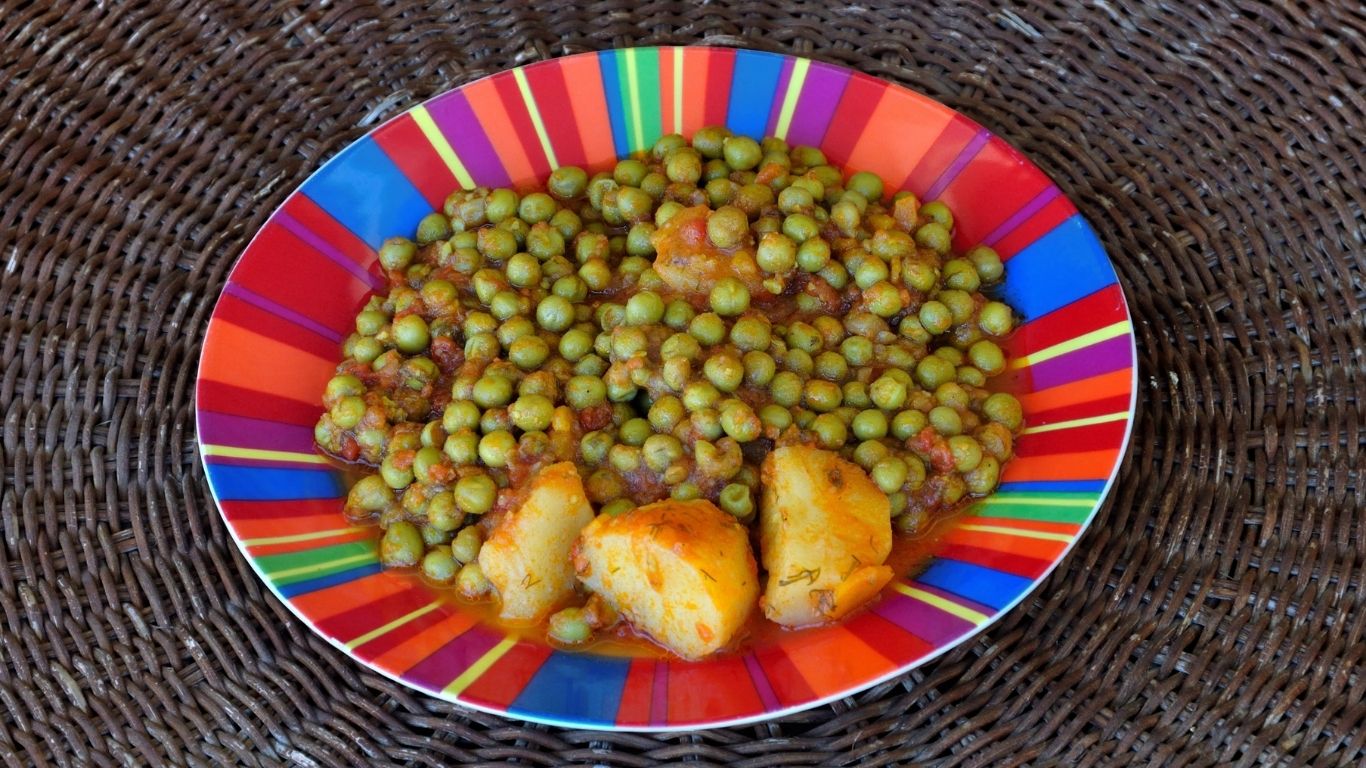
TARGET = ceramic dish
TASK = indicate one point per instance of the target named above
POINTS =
(274, 338)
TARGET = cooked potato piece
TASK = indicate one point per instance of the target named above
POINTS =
(825, 532)
(680, 571)
(527, 555)
(688, 262)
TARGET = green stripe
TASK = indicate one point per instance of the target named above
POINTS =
(1003, 506)
(648, 86)
(312, 563)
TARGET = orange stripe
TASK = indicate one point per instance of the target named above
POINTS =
(1024, 525)
(326, 603)
(274, 368)
(1039, 549)
(904, 120)
(1077, 392)
(261, 528)
(666, 91)
(830, 658)
(1090, 465)
(590, 110)
(297, 546)
(493, 116)
(406, 654)
(695, 63)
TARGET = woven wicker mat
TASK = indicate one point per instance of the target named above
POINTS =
(1212, 615)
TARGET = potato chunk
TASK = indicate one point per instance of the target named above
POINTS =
(825, 532)
(689, 263)
(527, 555)
(680, 571)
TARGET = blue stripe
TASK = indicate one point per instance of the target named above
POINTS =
(331, 580)
(981, 585)
(368, 194)
(753, 87)
(1064, 265)
(238, 483)
(1054, 486)
(611, 88)
(574, 688)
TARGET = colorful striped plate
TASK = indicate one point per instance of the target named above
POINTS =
(274, 339)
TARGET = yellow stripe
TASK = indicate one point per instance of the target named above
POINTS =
(479, 667)
(947, 606)
(363, 557)
(1072, 345)
(1022, 533)
(794, 90)
(391, 626)
(443, 148)
(298, 537)
(631, 84)
(258, 453)
(1086, 422)
(525, 88)
(1029, 501)
(678, 90)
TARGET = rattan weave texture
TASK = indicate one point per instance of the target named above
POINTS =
(1213, 615)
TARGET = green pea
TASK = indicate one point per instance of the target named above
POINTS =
(401, 545)
(411, 333)
(698, 395)
(708, 328)
(724, 371)
(434, 226)
(740, 422)
(830, 431)
(856, 394)
(501, 204)
(476, 494)
(889, 474)
(585, 392)
(983, 478)
(496, 244)
(759, 368)
(995, 319)
(822, 396)
(933, 236)
(569, 627)
(661, 451)
(869, 452)
(567, 182)
(529, 352)
(987, 263)
(366, 349)
(369, 494)
(1003, 409)
(495, 419)
(847, 217)
(720, 192)
(807, 157)
(857, 350)
(870, 270)
(934, 370)
(813, 255)
(741, 152)
(775, 417)
(751, 333)
(348, 411)
(466, 544)
(617, 507)
(727, 226)
(706, 422)
(883, 299)
(683, 165)
(919, 275)
(531, 412)
(634, 432)
(505, 304)
(870, 424)
(666, 413)
(786, 389)
(593, 447)
(554, 313)
(954, 356)
(987, 357)
(800, 228)
(634, 204)
(935, 211)
(496, 447)
(907, 424)
(442, 514)
(628, 341)
(934, 317)
(737, 500)
(462, 447)
(888, 393)
(439, 566)
(795, 199)
(590, 365)
(397, 253)
(967, 453)
(867, 184)
(426, 459)
(574, 344)
(523, 270)
(945, 420)
(624, 458)
(371, 322)
(776, 253)
(644, 308)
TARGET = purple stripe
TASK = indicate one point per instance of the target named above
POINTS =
(458, 123)
(954, 597)
(820, 96)
(959, 163)
(779, 95)
(1110, 355)
(242, 432)
(297, 228)
(659, 694)
(279, 310)
(761, 684)
(1024, 214)
(447, 662)
(921, 619)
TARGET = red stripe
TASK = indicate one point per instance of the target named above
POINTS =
(1100, 309)
(1001, 561)
(693, 687)
(997, 173)
(1105, 405)
(501, 684)
(1094, 437)
(787, 682)
(236, 401)
(634, 708)
(238, 312)
(330, 295)
(351, 624)
(505, 84)
(321, 223)
(945, 150)
(720, 72)
(891, 641)
(546, 81)
(260, 510)
(857, 105)
(1041, 223)
(405, 144)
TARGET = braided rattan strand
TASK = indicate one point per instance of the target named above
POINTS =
(1212, 616)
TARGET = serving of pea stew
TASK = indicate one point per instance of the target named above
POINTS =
(722, 382)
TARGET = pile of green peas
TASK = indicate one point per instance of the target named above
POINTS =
(524, 328)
